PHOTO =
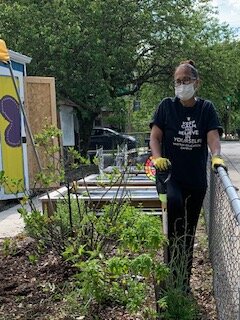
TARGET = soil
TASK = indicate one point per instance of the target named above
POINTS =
(31, 285)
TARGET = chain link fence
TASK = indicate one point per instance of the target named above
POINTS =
(222, 211)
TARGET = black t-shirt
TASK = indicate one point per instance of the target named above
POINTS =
(185, 138)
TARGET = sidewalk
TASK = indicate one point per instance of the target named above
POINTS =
(11, 223)
(231, 155)
(235, 178)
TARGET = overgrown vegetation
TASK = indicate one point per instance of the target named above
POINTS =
(114, 250)
(115, 255)
(117, 259)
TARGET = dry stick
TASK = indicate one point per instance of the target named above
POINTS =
(70, 208)
(74, 189)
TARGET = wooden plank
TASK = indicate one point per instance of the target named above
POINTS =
(147, 211)
(145, 197)
(130, 169)
(133, 179)
(40, 104)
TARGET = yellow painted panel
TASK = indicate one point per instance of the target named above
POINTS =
(12, 157)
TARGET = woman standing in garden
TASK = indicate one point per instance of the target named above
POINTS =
(182, 129)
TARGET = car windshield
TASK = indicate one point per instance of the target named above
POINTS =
(106, 131)
(111, 131)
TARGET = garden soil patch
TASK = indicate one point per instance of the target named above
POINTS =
(32, 285)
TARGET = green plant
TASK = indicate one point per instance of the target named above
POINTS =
(14, 185)
(52, 172)
(140, 166)
(33, 258)
(115, 254)
(89, 242)
(9, 247)
(36, 223)
(70, 297)
(133, 239)
(179, 305)
(176, 301)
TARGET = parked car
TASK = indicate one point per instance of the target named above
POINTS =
(110, 139)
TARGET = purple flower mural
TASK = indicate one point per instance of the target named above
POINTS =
(9, 108)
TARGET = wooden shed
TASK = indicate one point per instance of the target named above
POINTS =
(13, 149)
(38, 96)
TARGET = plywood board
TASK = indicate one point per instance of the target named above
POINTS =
(134, 179)
(40, 105)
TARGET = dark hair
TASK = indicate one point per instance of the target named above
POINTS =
(190, 64)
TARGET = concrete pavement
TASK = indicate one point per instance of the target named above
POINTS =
(231, 155)
(12, 224)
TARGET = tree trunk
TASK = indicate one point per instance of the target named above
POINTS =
(86, 125)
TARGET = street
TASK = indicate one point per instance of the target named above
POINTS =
(231, 155)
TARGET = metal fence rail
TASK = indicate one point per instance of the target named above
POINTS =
(222, 210)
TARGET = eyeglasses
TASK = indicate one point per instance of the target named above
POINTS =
(186, 80)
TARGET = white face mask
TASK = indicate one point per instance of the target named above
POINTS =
(185, 91)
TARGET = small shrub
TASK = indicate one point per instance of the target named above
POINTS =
(179, 305)
(9, 247)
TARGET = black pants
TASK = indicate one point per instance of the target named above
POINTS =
(183, 206)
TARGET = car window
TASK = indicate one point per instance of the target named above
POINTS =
(97, 132)
(109, 134)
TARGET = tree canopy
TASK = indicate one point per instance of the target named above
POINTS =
(102, 50)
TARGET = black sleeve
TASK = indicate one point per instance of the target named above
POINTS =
(159, 115)
(213, 122)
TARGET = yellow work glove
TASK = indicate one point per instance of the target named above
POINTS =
(217, 161)
(161, 163)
